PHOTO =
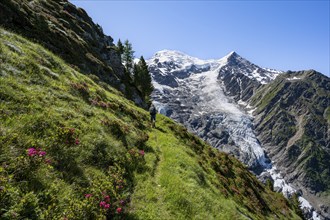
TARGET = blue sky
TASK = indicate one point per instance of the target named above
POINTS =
(283, 35)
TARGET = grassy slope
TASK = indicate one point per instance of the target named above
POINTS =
(99, 143)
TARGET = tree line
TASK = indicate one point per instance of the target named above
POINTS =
(136, 73)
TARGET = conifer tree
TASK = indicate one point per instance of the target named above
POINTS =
(142, 78)
(137, 76)
(120, 47)
(145, 77)
(128, 56)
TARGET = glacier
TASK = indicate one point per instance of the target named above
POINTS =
(198, 97)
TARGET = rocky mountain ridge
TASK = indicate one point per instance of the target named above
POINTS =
(70, 33)
(213, 100)
(292, 122)
(241, 78)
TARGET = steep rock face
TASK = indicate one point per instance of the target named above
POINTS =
(239, 86)
(292, 122)
(241, 78)
(69, 32)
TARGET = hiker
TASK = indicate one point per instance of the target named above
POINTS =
(153, 112)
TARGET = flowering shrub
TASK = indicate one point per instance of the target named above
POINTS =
(107, 198)
(37, 156)
(136, 154)
(107, 194)
(105, 203)
(32, 152)
(101, 104)
(88, 195)
(69, 136)
(82, 88)
(116, 126)
(97, 101)
(35, 152)
(102, 203)
(42, 153)
(135, 159)
(142, 138)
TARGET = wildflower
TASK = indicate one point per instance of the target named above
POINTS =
(88, 195)
(32, 152)
(119, 210)
(42, 153)
(142, 153)
(77, 141)
(107, 198)
(122, 202)
(102, 203)
(106, 206)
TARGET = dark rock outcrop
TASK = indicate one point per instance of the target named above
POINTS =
(70, 33)
(241, 78)
(238, 85)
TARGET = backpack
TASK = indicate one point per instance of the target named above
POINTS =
(152, 110)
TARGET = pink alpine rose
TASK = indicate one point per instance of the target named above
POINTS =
(88, 195)
(102, 203)
(32, 152)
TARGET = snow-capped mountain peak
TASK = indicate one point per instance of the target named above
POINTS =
(231, 55)
(175, 56)
(172, 61)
